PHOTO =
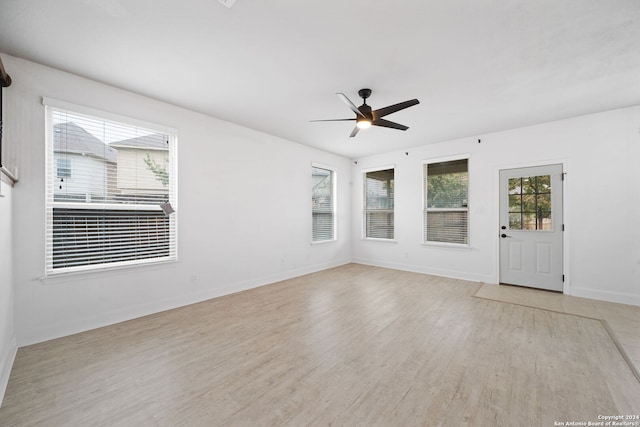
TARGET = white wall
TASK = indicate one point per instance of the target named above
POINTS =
(244, 212)
(602, 203)
(7, 337)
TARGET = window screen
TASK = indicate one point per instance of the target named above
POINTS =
(323, 204)
(378, 204)
(106, 184)
(446, 207)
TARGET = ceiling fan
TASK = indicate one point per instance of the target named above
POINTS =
(365, 117)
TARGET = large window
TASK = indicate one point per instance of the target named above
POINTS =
(446, 205)
(111, 193)
(323, 204)
(378, 204)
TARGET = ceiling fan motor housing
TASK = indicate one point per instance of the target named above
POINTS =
(366, 111)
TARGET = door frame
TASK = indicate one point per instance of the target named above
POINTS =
(566, 209)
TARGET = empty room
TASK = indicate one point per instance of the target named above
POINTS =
(290, 213)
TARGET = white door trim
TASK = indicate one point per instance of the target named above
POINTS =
(566, 247)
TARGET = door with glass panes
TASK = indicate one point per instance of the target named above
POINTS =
(531, 227)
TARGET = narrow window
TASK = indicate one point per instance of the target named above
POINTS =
(446, 206)
(378, 204)
(111, 196)
(323, 204)
(63, 169)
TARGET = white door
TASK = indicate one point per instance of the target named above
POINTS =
(531, 227)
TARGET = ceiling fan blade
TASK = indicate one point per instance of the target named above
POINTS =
(381, 112)
(333, 120)
(349, 104)
(389, 124)
(354, 132)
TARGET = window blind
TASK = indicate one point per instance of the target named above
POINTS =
(446, 207)
(323, 204)
(379, 205)
(105, 183)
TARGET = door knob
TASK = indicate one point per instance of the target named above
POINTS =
(504, 235)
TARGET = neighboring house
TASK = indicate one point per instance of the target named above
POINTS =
(83, 164)
(89, 170)
(142, 168)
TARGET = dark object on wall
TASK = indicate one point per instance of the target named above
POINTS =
(5, 81)
(167, 208)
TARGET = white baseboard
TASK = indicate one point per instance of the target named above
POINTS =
(452, 274)
(62, 329)
(610, 296)
(6, 363)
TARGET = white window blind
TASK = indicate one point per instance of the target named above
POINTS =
(106, 185)
(446, 207)
(378, 204)
(323, 204)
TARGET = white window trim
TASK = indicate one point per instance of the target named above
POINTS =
(447, 245)
(363, 174)
(334, 194)
(106, 115)
(93, 113)
(465, 156)
(378, 239)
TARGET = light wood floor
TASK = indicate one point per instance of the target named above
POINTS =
(353, 345)
(621, 321)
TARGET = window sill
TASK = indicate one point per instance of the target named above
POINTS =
(323, 242)
(101, 271)
(370, 239)
(444, 245)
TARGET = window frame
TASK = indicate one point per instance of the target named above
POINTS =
(52, 105)
(425, 209)
(334, 193)
(364, 205)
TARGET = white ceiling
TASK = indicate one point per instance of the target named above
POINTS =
(476, 66)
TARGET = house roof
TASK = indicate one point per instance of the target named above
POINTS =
(70, 138)
(154, 141)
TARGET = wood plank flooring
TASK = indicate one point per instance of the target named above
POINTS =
(621, 320)
(353, 345)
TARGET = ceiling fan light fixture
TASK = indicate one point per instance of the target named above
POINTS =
(363, 124)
